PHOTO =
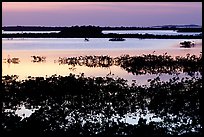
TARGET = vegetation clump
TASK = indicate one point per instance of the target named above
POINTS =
(137, 65)
(79, 105)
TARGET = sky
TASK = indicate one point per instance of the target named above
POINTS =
(137, 14)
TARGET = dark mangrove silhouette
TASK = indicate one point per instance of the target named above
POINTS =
(38, 58)
(76, 105)
(187, 44)
(11, 60)
(96, 32)
(137, 65)
(117, 39)
(186, 28)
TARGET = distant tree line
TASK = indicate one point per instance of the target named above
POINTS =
(189, 30)
(43, 28)
(69, 33)
(83, 31)
(32, 28)
(91, 32)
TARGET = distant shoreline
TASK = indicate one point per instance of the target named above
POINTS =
(140, 36)
(96, 32)
(185, 28)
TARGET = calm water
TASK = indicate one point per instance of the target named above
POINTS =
(69, 47)
(155, 32)
(12, 32)
(94, 44)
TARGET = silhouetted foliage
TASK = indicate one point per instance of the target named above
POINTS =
(78, 105)
(137, 65)
(98, 35)
(93, 32)
(165, 27)
(189, 30)
(83, 31)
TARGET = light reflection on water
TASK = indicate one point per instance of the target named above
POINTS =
(13, 32)
(39, 44)
(55, 48)
(130, 118)
(28, 68)
(155, 32)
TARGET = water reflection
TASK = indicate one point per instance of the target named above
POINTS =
(138, 65)
(89, 106)
(155, 32)
(39, 44)
(163, 99)
(38, 58)
(150, 105)
(11, 60)
(125, 66)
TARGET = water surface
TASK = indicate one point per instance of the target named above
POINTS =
(53, 48)
(154, 32)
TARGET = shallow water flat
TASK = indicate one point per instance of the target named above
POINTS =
(55, 48)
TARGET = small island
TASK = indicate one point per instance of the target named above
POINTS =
(117, 39)
(187, 44)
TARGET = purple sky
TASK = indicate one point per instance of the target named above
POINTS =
(101, 13)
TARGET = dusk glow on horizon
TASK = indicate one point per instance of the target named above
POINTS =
(101, 13)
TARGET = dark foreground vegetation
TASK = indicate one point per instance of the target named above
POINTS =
(77, 105)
